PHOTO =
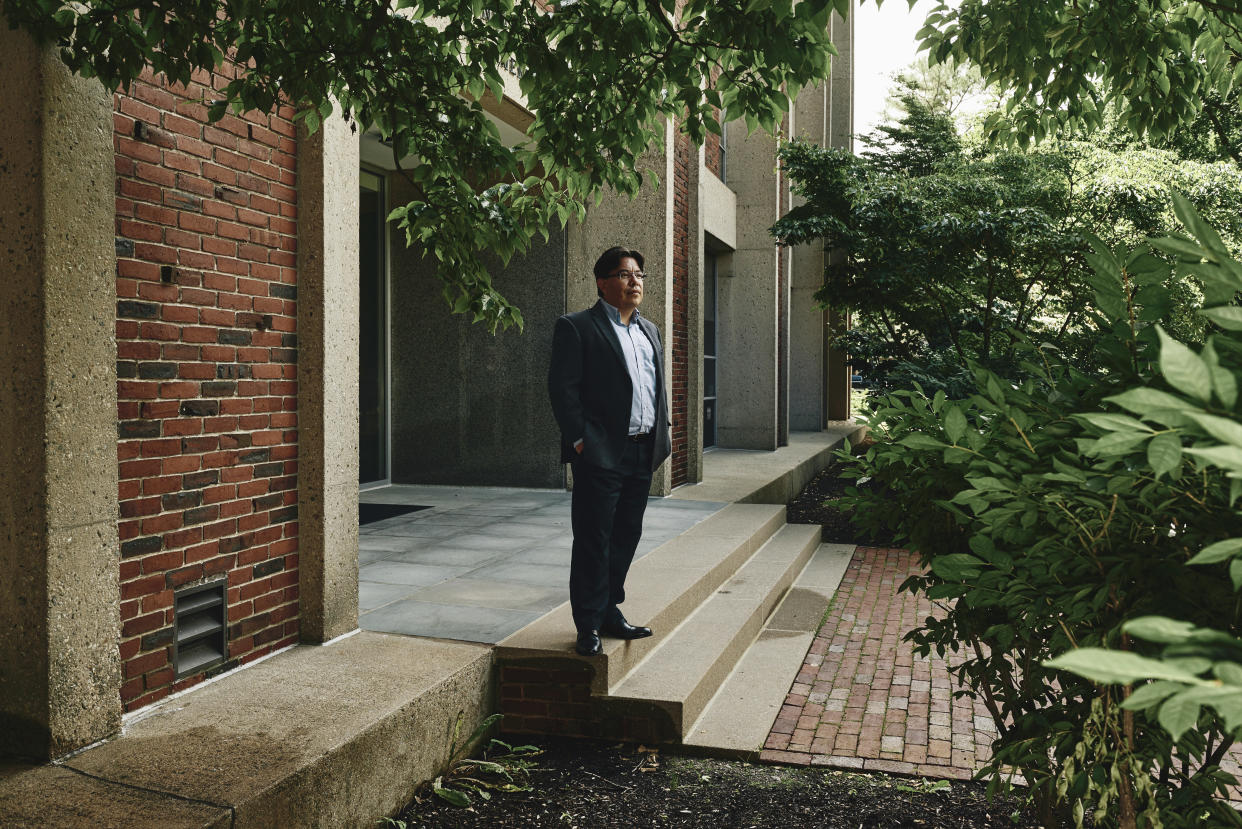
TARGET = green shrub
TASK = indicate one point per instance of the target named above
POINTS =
(1048, 519)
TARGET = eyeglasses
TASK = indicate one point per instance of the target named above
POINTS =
(627, 275)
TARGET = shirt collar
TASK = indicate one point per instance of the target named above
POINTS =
(614, 314)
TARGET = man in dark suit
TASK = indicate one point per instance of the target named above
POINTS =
(607, 388)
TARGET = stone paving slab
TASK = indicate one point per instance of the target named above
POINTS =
(864, 701)
(435, 572)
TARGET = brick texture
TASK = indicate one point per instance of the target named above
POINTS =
(553, 697)
(863, 700)
(684, 155)
(206, 372)
(713, 155)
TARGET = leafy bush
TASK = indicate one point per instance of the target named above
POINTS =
(1047, 520)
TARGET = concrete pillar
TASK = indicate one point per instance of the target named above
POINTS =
(840, 134)
(328, 299)
(808, 321)
(60, 673)
(841, 84)
(750, 298)
(645, 224)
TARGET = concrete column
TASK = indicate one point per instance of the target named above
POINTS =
(808, 321)
(749, 299)
(840, 134)
(645, 224)
(60, 673)
(328, 185)
(841, 84)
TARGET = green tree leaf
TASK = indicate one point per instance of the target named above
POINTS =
(1217, 552)
(1179, 713)
(1164, 453)
(1183, 368)
(954, 424)
(1107, 667)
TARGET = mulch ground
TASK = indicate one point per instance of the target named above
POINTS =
(819, 503)
(586, 785)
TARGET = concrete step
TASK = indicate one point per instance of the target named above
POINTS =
(337, 735)
(737, 720)
(664, 587)
(675, 683)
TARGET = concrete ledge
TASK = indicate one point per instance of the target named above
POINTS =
(338, 735)
(748, 476)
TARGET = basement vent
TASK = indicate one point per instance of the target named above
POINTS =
(198, 627)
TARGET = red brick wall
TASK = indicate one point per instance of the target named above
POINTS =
(553, 696)
(713, 158)
(206, 366)
(684, 154)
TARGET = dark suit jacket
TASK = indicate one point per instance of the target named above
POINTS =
(591, 390)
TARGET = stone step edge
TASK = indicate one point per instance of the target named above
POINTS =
(551, 636)
(688, 700)
(822, 574)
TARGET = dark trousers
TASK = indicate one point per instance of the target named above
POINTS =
(608, 507)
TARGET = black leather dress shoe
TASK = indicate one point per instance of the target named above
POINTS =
(588, 643)
(619, 628)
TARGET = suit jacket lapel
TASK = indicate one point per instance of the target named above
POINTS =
(605, 327)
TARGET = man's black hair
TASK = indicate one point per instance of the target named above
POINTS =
(609, 259)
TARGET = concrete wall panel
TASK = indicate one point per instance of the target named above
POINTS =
(644, 223)
(748, 343)
(470, 407)
(718, 207)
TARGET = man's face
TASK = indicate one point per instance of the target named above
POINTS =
(623, 292)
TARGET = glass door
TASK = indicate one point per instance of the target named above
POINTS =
(373, 332)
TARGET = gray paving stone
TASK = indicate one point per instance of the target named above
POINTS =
(521, 573)
(454, 519)
(482, 541)
(541, 519)
(371, 556)
(468, 622)
(373, 594)
(484, 593)
(452, 556)
(388, 543)
(410, 529)
(558, 556)
(511, 529)
(417, 575)
(500, 510)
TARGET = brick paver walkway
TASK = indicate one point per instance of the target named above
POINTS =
(863, 700)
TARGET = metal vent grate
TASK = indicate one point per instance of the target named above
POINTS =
(198, 627)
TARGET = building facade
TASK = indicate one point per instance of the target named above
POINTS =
(215, 340)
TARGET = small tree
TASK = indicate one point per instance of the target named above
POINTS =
(950, 253)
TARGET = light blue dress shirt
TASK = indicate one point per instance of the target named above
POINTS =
(640, 362)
